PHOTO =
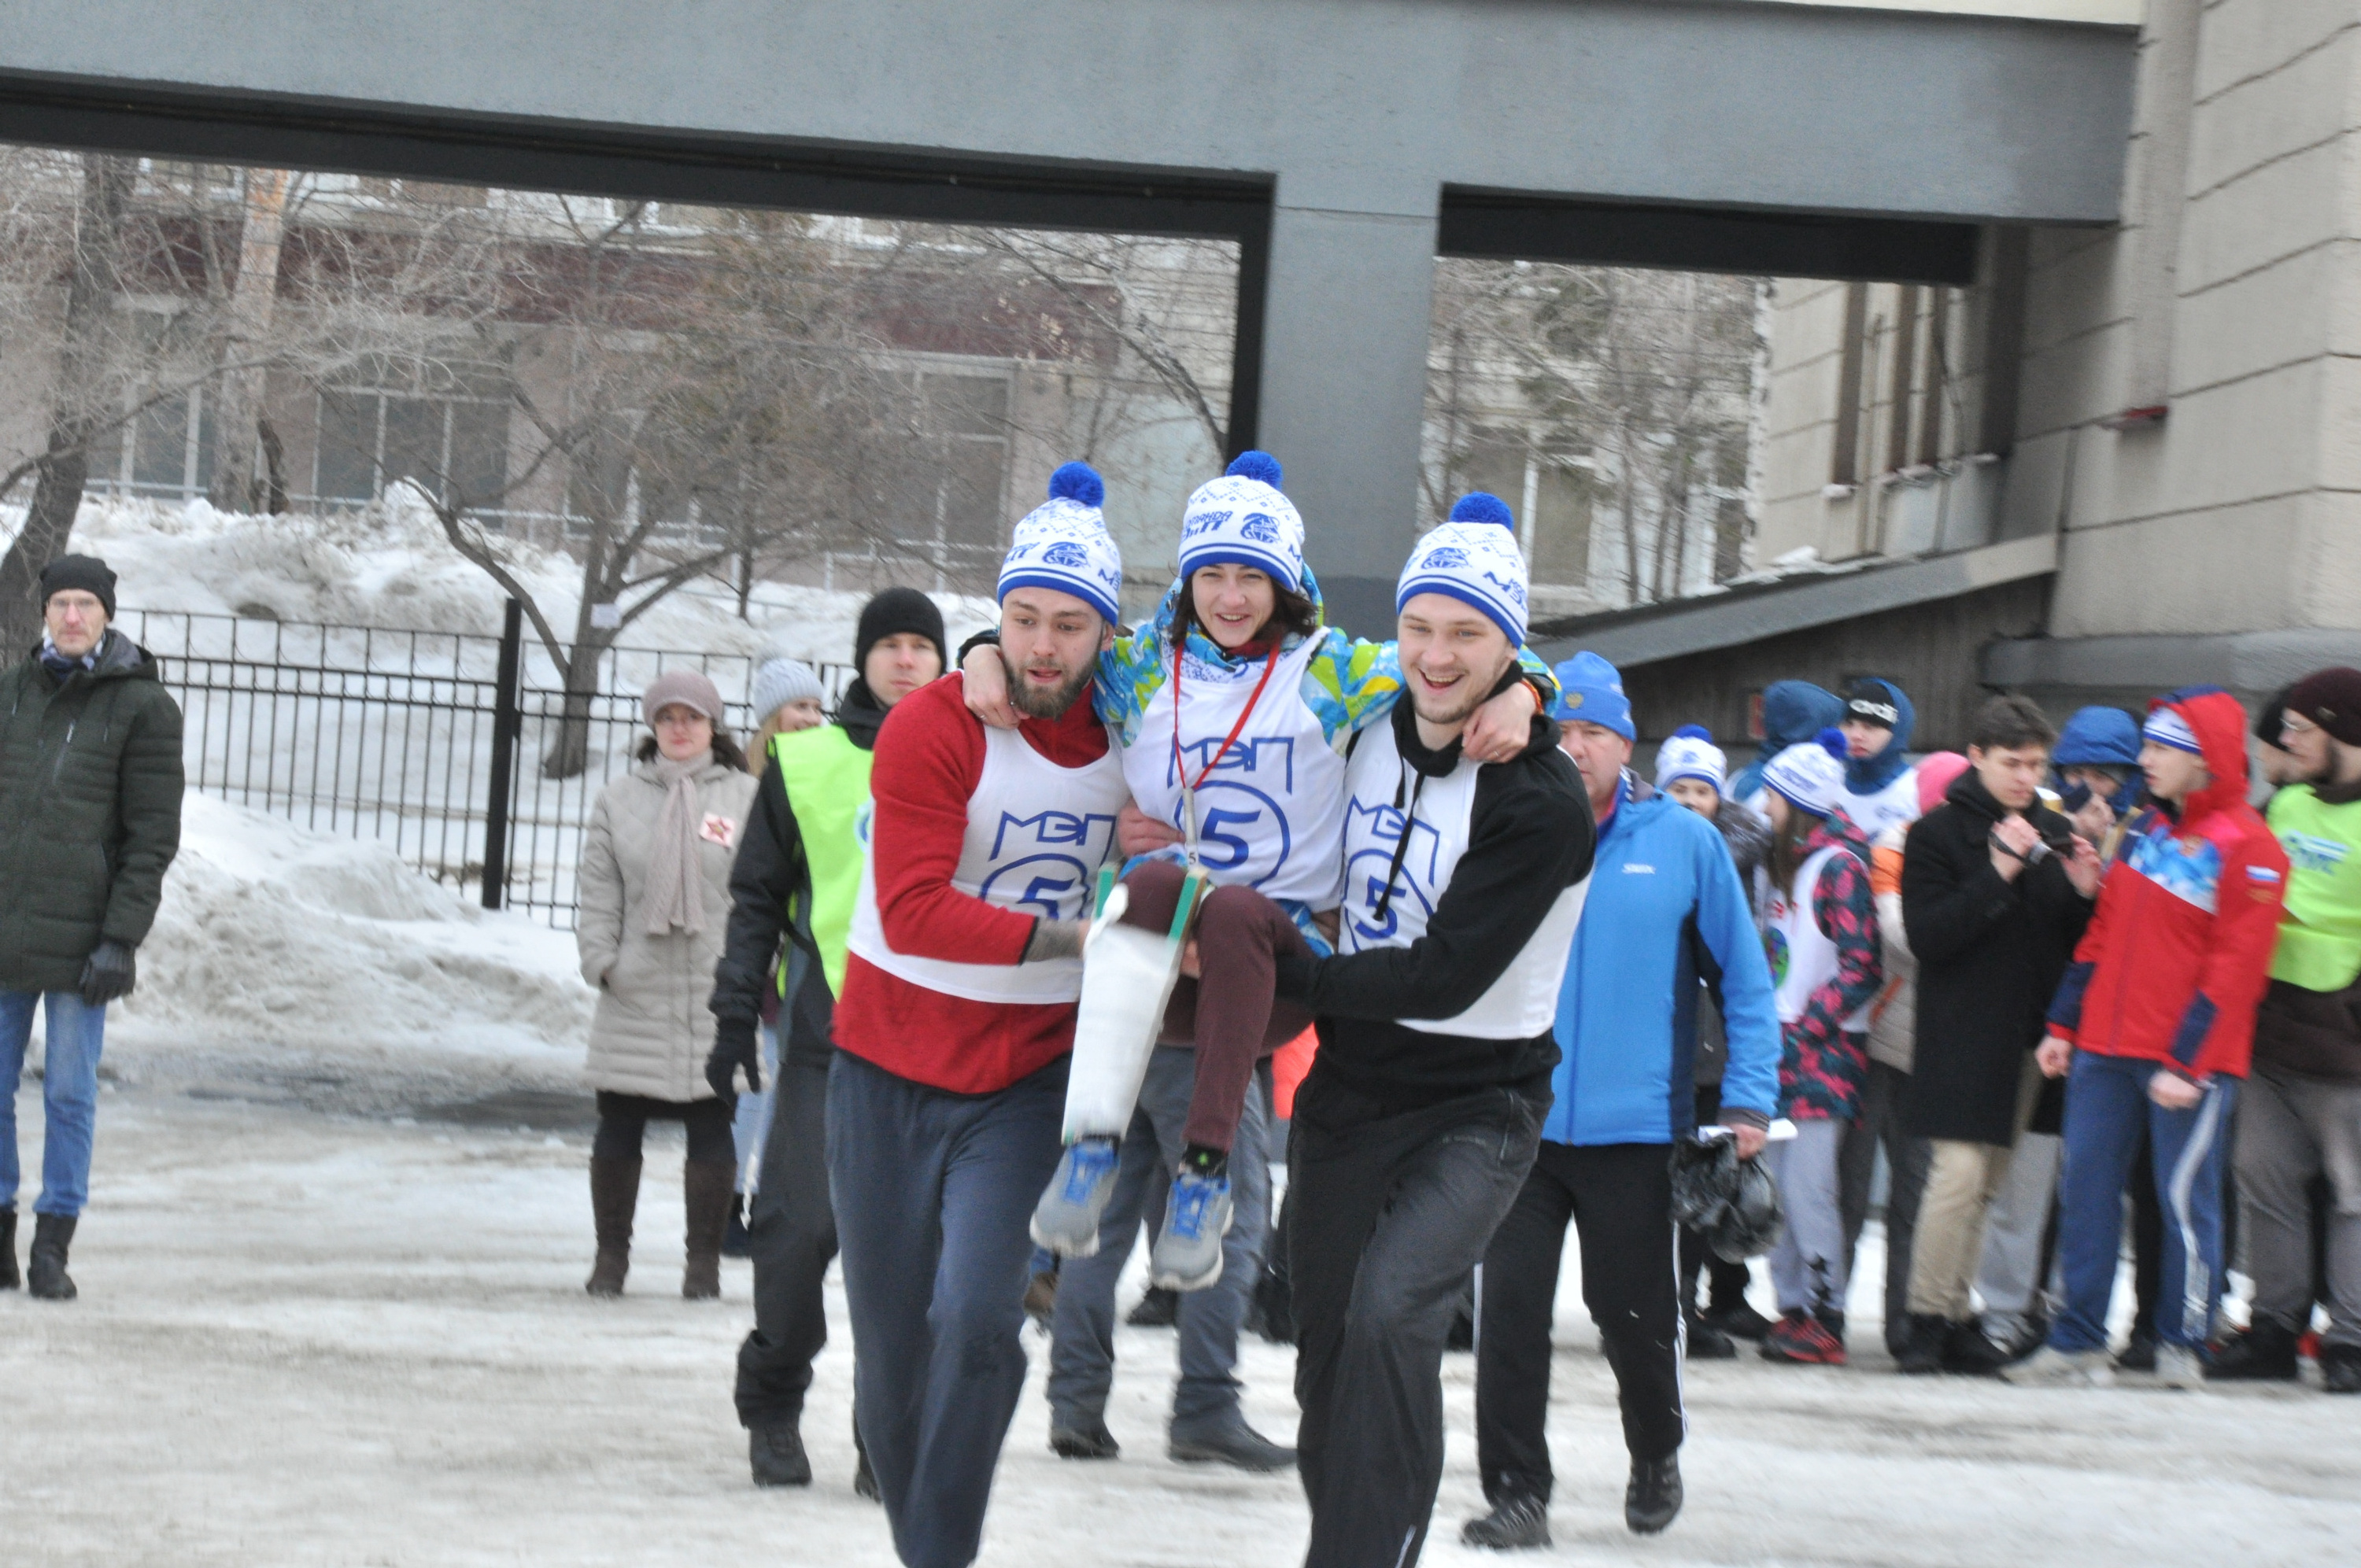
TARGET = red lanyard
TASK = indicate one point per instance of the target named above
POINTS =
(1180, 762)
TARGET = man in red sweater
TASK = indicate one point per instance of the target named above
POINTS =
(2155, 1020)
(947, 1096)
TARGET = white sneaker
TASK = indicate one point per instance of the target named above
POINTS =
(2177, 1367)
(2049, 1367)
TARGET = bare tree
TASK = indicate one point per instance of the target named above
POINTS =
(79, 398)
(245, 428)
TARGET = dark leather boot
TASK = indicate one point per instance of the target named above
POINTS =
(9, 1278)
(1515, 1524)
(1922, 1348)
(614, 1199)
(705, 1193)
(45, 1273)
(776, 1454)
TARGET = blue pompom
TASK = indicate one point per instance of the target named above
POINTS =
(1255, 466)
(1693, 732)
(1479, 506)
(1832, 742)
(1077, 482)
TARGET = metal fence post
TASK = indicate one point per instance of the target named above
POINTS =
(508, 722)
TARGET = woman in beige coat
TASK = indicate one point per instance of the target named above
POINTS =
(655, 907)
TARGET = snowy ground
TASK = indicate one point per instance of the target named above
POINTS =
(308, 1338)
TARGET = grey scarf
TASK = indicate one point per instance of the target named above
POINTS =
(676, 885)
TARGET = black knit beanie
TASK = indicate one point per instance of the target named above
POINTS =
(2331, 699)
(894, 611)
(87, 573)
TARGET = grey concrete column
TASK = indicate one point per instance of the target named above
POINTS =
(1344, 392)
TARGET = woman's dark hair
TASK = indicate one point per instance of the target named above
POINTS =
(1787, 855)
(2007, 722)
(725, 749)
(1291, 612)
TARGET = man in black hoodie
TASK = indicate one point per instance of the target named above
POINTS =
(1996, 893)
(1424, 1109)
(794, 881)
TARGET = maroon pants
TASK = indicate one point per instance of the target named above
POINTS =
(1233, 1020)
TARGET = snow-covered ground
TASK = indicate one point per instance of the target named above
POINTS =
(312, 1338)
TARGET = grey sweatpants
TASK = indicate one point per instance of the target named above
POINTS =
(2010, 1275)
(1082, 1350)
(2290, 1131)
(1811, 1264)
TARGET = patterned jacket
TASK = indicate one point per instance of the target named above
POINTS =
(1821, 1064)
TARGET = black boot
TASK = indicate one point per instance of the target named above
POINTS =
(776, 1454)
(1970, 1353)
(704, 1195)
(2264, 1353)
(1159, 1309)
(1515, 1524)
(614, 1198)
(2340, 1369)
(1708, 1343)
(1922, 1349)
(45, 1274)
(1227, 1439)
(1083, 1440)
(1652, 1500)
(9, 1278)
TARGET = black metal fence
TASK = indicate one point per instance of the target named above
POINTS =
(429, 742)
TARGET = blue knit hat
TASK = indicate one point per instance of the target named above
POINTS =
(2098, 737)
(1242, 519)
(1473, 558)
(1590, 691)
(1063, 544)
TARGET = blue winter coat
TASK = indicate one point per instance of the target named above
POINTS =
(1664, 898)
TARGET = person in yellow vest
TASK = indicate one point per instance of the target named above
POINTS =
(794, 883)
(2300, 1120)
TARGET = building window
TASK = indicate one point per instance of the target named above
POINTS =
(448, 433)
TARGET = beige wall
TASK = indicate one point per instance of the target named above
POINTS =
(2239, 282)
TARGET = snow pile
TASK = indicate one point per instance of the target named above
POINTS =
(273, 937)
(388, 565)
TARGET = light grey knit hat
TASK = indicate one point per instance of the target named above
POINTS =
(778, 681)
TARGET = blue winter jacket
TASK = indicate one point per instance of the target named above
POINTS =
(1665, 901)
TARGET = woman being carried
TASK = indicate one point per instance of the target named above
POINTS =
(1233, 708)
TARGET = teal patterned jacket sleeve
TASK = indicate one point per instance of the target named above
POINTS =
(1350, 683)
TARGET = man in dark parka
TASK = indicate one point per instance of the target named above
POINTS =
(89, 817)
(1996, 893)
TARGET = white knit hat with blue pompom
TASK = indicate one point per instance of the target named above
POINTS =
(1242, 519)
(1473, 558)
(1690, 753)
(1811, 774)
(1063, 544)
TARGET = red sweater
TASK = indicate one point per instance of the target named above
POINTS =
(929, 760)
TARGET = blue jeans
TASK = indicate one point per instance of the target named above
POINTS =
(933, 1195)
(69, 1094)
(1081, 1349)
(2106, 1107)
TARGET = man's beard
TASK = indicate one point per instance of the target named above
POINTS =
(1034, 702)
(1464, 699)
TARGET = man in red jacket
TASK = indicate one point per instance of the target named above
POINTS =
(2155, 1020)
(948, 1092)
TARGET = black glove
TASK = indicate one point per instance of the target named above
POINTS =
(733, 1047)
(111, 972)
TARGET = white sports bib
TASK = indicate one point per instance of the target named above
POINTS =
(1874, 813)
(1522, 1003)
(1036, 835)
(1268, 814)
(1803, 959)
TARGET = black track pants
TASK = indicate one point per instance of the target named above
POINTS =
(1619, 1198)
